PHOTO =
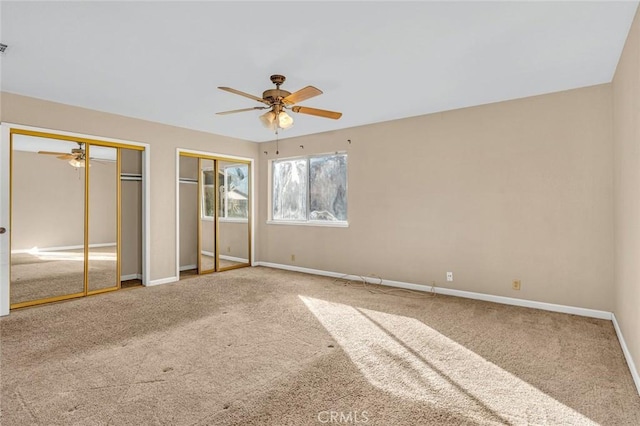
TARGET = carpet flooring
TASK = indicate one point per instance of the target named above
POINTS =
(258, 346)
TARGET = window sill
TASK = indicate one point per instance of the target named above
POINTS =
(325, 224)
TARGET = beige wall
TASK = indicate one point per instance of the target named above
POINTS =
(188, 224)
(164, 141)
(131, 161)
(48, 202)
(131, 214)
(131, 235)
(512, 190)
(626, 126)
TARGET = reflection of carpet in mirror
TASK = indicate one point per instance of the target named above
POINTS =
(39, 275)
(208, 263)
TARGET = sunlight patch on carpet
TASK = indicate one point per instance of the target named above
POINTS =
(408, 359)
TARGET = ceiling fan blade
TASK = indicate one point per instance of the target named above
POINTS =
(239, 110)
(302, 94)
(318, 112)
(52, 153)
(67, 156)
(246, 95)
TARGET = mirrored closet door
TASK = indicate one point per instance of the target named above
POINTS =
(66, 203)
(233, 214)
(214, 214)
(47, 215)
(206, 216)
(103, 196)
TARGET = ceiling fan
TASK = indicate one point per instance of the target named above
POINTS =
(77, 156)
(278, 100)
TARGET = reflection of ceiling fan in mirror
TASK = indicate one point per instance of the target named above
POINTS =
(77, 156)
(278, 100)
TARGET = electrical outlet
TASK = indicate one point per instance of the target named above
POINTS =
(293, 257)
(515, 285)
(228, 249)
(449, 276)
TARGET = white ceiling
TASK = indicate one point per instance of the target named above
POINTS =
(375, 61)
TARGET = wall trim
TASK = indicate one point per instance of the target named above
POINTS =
(627, 354)
(188, 267)
(161, 281)
(585, 312)
(62, 248)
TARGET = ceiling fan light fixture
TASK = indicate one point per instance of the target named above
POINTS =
(284, 120)
(77, 163)
(268, 120)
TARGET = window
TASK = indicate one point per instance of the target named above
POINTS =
(233, 190)
(310, 189)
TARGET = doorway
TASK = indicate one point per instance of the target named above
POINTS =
(76, 214)
(214, 211)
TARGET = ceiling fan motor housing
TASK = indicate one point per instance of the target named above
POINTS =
(274, 95)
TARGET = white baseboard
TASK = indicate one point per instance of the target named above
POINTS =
(234, 259)
(61, 248)
(593, 313)
(208, 253)
(162, 281)
(627, 354)
(131, 277)
(188, 267)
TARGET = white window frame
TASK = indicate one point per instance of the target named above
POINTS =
(308, 222)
